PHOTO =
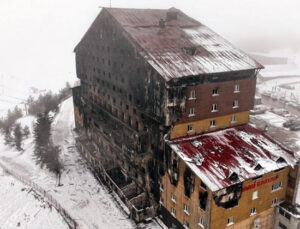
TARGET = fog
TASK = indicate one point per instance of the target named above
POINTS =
(38, 37)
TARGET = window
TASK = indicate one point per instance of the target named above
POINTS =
(215, 91)
(255, 195)
(253, 211)
(236, 88)
(190, 127)
(173, 198)
(230, 221)
(186, 209)
(161, 187)
(274, 201)
(235, 104)
(173, 212)
(281, 225)
(201, 222)
(233, 119)
(161, 200)
(192, 94)
(186, 224)
(203, 185)
(276, 186)
(212, 123)
(214, 108)
(192, 111)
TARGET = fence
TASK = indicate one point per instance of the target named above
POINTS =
(69, 220)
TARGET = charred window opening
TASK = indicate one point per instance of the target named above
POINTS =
(203, 200)
(233, 177)
(258, 167)
(172, 162)
(189, 182)
(228, 197)
(281, 160)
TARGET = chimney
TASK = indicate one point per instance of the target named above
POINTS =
(162, 23)
(171, 15)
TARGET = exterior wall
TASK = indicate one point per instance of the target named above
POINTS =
(292, 223)
(205, 98)
(293, 184)
(122, 100)
(193, 202)
(263, 204)
(201, 126)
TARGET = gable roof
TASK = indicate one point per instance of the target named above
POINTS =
(184, 47)
(242, 152)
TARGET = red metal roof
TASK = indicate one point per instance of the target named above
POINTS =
(243, 150)
(169, 49)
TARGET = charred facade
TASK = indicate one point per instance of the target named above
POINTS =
(150, 80)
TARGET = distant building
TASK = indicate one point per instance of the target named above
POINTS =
(162, 110)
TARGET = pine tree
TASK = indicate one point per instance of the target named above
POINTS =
(53, 162)
(7, 136)
(18, 136)
(26, 131)
(42, 134)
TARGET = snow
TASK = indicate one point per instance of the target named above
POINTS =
(233, 150)
(20, 205)
(87, 201)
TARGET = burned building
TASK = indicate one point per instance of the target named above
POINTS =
(151, 82)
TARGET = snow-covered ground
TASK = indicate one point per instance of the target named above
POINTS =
(87, 201)
(21, 207)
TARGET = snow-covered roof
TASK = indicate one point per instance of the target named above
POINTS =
(183, 46)
(243, 151)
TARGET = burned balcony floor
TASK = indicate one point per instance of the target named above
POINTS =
(134, 197)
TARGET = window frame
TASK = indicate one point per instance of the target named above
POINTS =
(186, 209)
(212, 123)
(214, 107)
(192, 94)
(191, 114)
(173, 197)
(190, 129)
(253, 211)
(255, 195)
(235, 104)
(215, 91)
(230, 221)
(236, 88)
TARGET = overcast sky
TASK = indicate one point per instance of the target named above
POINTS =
(38, 36)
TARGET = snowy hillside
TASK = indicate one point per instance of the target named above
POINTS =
(87, 201)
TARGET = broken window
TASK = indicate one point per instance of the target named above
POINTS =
(233, 177)
(189, 182)
(203, 200)
(233, 119)
(190, 127)
(228, 197)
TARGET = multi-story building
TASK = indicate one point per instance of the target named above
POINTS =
(158, 91)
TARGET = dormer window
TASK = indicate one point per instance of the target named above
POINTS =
(233, 177)
(257, 167)
(281, 160)
(215, 91)
(192, 94)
